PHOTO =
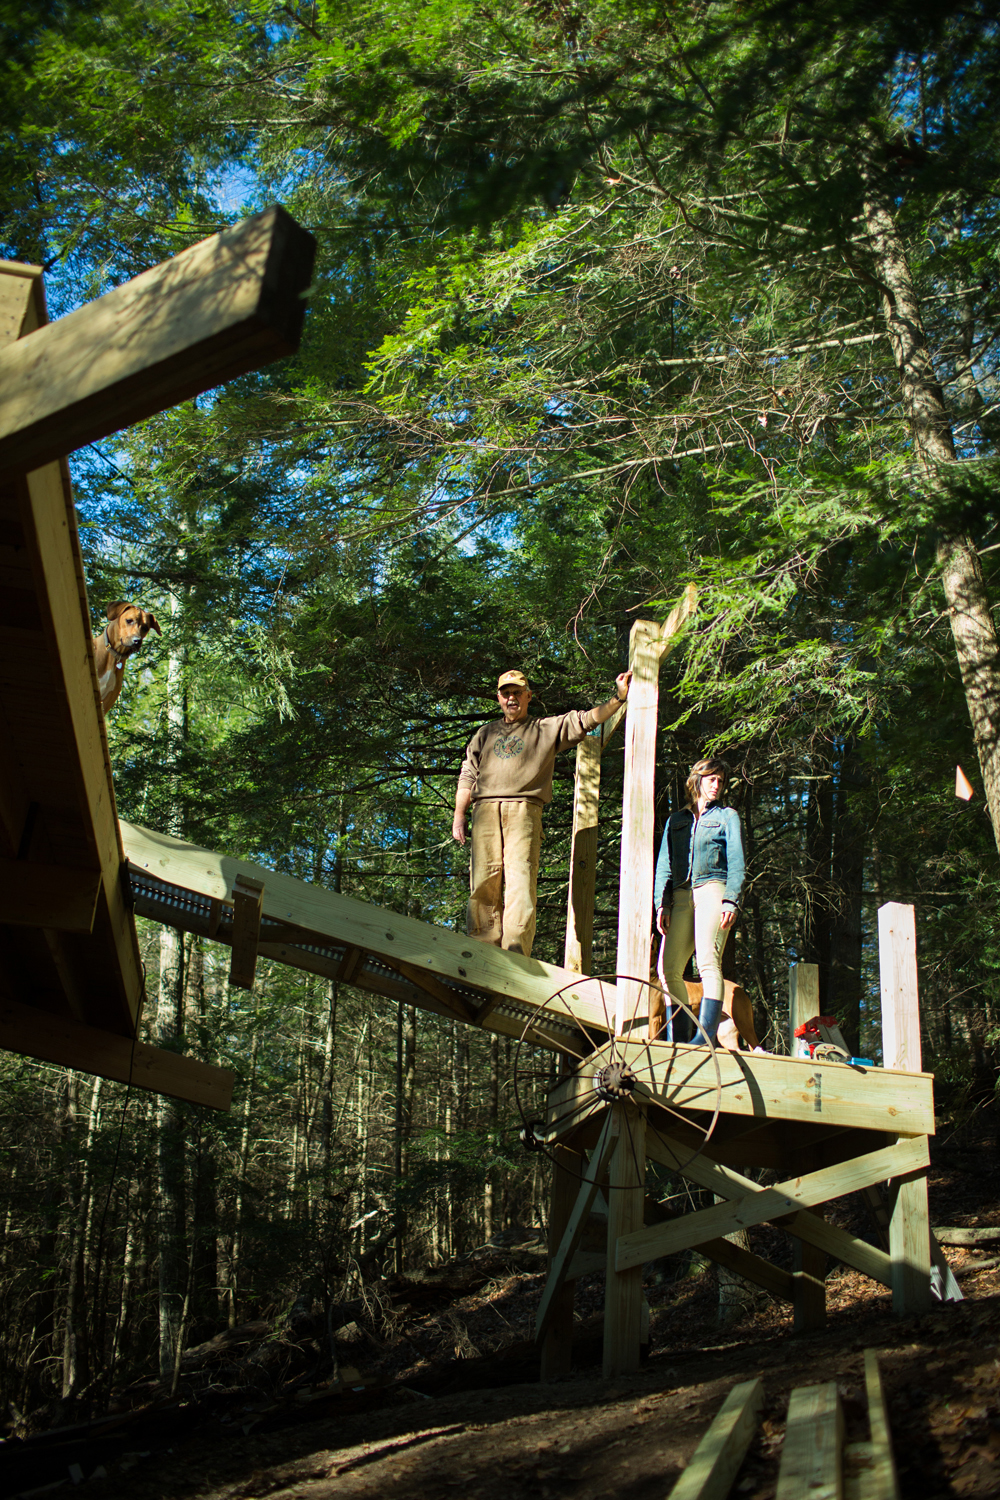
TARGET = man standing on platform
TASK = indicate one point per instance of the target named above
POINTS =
(506, 778)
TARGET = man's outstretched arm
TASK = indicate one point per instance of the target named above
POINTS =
(604, 711)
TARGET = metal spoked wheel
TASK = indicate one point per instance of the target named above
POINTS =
(572, 1066)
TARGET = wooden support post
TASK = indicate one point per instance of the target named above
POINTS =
(717, 1458)
(557, 1350)
(809, 1277)
(623, 1289)
(910, 1224)
(635, 890)
(803, 999)
(583, 857)
(248, 906)
(575, 1224)
(648, 644)
(897, 961)
(814, 1439)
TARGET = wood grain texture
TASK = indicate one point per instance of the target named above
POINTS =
(811, 1459)
(225, 306)
(635, 881)
(897, 960)
(881, 1482)
(803, 999)
(626, 1202)
(248, 905)
(764, 1086)
(583, 857)
(717, 1458)
(71, 1044)
(390, 935)
(910, 1245)
(639, 1246)
(809, 1276)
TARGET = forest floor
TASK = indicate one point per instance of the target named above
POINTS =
(438, 1391)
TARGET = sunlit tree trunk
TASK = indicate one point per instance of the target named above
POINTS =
(972, 625)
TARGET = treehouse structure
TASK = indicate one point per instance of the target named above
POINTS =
(601, 1098)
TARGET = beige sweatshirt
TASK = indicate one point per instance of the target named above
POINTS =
(517, 760)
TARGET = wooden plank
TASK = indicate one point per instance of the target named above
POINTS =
(71, 1044)
(717, 1458)
(639, 1246)
(583, 857)
(809, 1277)
(34, 895)
(248, 906)
(589, 1187)
(48, 521)
(557, 1347)
(897, 960)
(585, 1262)
(751, 1267)
(355, 924)
(635, 884)
(803, 1001)
(767, 1087)
(16, 292)
(883, 1482)
(814, 1440)
(910, 1245)
(226, 305)
(665, 634)
(623, 1285)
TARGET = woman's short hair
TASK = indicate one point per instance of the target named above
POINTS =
(710, 767)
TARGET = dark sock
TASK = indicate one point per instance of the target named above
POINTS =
(708, 1020)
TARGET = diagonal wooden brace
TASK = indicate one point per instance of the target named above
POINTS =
(589, 1188)
(909, 1155)
(727, 1183)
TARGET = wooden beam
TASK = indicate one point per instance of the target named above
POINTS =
(909, 1225)
(809, 1278)
(623, 1284)
(639, 1246)
(717, 1458)
(575, 1224)
(897, 960)
(803, 1002)
(635, 884)
(583, 857)
(648, 644)
(766, 1087)
(70, 1044)
(751, 1267)
(684, 610)
(883, 1483)
(17, 290)
(248, 906)
(384, 934)
(221, 308)
(557, 1347)
(111, 970)
(33, 895)
(814, 1440)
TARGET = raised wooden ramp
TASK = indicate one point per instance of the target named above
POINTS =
(308, 927)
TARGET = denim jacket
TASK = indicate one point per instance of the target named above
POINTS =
(696, 850)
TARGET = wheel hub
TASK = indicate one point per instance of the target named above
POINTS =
(614, 1081)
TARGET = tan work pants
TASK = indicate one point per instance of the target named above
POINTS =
(695, 927)
(506, 842)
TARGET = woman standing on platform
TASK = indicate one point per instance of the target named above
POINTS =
(696, 890)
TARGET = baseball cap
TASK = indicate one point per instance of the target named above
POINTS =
(512, 679)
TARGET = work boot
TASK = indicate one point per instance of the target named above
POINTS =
(683, 1030)
(708, 1020)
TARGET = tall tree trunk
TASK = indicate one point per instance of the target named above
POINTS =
(236, 1255)
(972, 626)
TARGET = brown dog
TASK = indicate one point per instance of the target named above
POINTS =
(122, 636)
(737, 1013)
